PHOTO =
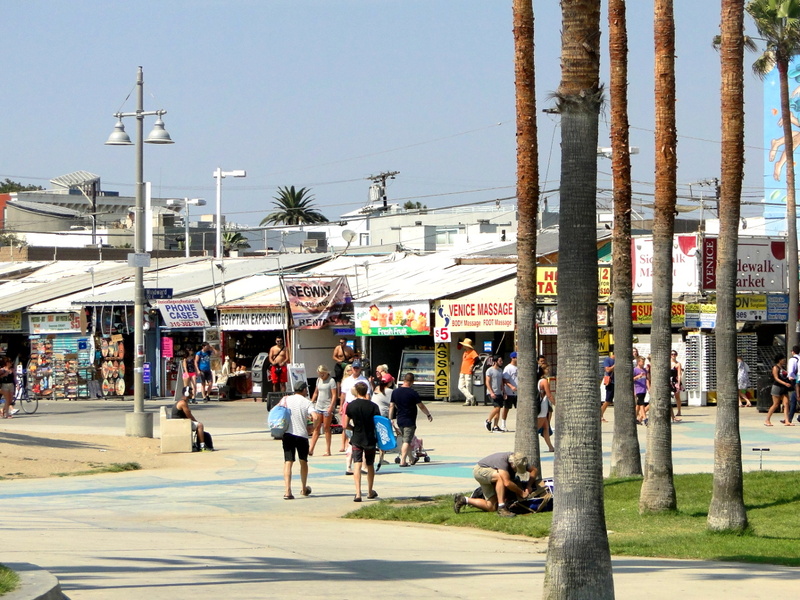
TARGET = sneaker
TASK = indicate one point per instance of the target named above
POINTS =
(205, 449)
(459, 502)
(502, 511)
(488, 426)
(497, 430)
(16, 410)
(503, 429)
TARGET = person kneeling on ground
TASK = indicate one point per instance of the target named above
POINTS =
(496, 474)
(181, 410)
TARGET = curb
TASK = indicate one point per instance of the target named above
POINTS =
(35, 584)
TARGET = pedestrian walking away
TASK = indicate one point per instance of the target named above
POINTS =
(743, 381)
(403, 407)
(361, 415)
(295, 439)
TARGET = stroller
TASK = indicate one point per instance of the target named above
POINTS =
(415, 452)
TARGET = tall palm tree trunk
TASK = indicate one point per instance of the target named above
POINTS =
(626, 459)
(525, 439)
(791, 205)
(578, 557)
(658, 489)
(727, 512)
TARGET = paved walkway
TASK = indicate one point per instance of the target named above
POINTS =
(220, 528)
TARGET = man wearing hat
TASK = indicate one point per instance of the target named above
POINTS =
(496, 474)
(468, 361)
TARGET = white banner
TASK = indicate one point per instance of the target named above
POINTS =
(684, 265)
(181, 314)
(487, 314)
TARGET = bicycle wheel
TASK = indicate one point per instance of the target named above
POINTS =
(29, 405)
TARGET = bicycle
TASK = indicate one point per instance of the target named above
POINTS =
(29, 404)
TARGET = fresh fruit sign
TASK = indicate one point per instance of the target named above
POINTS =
(392, 319)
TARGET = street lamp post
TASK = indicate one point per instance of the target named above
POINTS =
(139, 423)
(219, 175)
(186, 203)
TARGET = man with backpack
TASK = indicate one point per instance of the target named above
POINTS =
(361, 414)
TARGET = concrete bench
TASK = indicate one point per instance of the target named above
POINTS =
(176, 434)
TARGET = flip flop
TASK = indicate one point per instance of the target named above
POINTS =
(306, 491)
(357, 499)
(372, 495)
(288, 497)
(768, 425)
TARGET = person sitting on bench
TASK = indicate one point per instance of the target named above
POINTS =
(181, 410)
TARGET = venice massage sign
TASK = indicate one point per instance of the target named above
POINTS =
(475, 315)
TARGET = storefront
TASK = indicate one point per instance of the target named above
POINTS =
(13, 341)
(182, 334)
(61, 364)
(487, 318)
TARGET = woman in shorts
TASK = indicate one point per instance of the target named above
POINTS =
(546, 400)
(781, 387)
(7, 386)
(189, 371)
(322, 413)
(640, 386)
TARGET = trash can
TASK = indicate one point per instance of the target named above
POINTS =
(763, 392)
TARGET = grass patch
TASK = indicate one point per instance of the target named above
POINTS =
(112, 468)
(772, 500)
(9, 580)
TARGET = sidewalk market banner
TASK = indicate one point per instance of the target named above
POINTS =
(405, 318)
(319, 303)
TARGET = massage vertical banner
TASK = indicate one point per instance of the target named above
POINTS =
(319, 303)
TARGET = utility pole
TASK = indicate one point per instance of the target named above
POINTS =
(379, 181)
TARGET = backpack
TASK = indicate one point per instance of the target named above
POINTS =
(278, 419)
(384, 433)
(207, 440)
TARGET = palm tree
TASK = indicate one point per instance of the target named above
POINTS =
(626, 460)
(294, 208)
(778, 22)
(525, 439)
(658, 489)
(233, 240)
(578, 557)
(727, 512)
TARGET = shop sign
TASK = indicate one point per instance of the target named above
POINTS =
(167, 347)
(548, 330)
(547, 315)
(475, 315)
(318, 303)
(684, 265)
(642, 313)
(54, 323)
(777, 308)
(253, 319)
(182, 314)
(405, 318)
(11, 321)
(602, 315)
(760, 265)
(547, 281)
(441, 380)
(701, 316)
(603, 341)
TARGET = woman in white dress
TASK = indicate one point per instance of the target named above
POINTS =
(322, 413)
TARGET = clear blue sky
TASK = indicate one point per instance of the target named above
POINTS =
(323, 93)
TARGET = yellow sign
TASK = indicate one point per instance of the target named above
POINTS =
(441, 381)
(547, 281)
(11, 321)
(642, 313)
(603, 341)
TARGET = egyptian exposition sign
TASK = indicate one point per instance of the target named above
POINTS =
(475, 315)
(318, 303)
(760, 265)
(253, 319)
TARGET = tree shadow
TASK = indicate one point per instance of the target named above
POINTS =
(17, 439)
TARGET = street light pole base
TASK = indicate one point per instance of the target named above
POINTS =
(139, 424)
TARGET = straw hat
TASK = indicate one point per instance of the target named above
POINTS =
(468, 343)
